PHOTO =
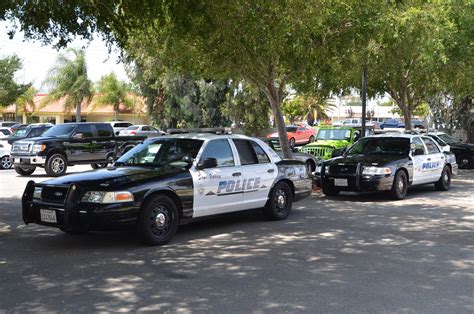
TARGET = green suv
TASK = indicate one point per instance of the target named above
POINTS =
(330, 141)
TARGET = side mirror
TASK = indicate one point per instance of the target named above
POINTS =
(419, 151)
(78, 136)
(207, 163)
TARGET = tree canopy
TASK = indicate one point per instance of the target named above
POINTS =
(10, 90)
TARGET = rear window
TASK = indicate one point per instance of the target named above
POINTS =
(103, 130)
(122, 125)
(6, 132)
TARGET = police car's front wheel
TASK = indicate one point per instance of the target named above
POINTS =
(444, 182)
(158, 220)
(400, 185)
(279, 204)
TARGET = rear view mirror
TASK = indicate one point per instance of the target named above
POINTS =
(207, 163)
(419, 151)
(78, 136)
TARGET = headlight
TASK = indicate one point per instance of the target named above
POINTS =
(107, 197)
(38, 148)
(318, 169)
(37, 192)
(376, 170)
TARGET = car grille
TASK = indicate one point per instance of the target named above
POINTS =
(20, 147)
(342, 169)
(318, 151)
(54, 194)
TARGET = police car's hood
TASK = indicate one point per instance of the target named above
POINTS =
(115, 176)
(374, 159)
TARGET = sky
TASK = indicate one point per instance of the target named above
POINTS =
(38, 59)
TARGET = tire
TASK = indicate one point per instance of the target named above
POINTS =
(6, 162)
(400, 185)
(310, 166)
(279, 204)
(24, 171)
(465, 161)
(292, 142)
(311, 139)
(56, 165)
(100, 165)
(330, 191)
(444, 182)
(158, 220)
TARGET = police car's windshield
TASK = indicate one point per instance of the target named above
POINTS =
(162, 152)
(333, 134)
(381, 145)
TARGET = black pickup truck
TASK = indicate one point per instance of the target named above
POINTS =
(71, 144)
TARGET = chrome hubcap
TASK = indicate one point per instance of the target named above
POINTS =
(58, 165)
(400, 185)
(160, 220)
(280, 199)
(446, 177)
(6, 163)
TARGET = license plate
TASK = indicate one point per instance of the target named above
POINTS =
(340, 182)
(48, 215)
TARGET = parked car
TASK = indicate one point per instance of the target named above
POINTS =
(297, 134)
(11, 125)
(5, 132)
(418, 124)
(392, 123)
(309, 160)
(5, 159)
(331, 141)
(464, 152)
(29, 131)
(69, 144)
(168, 181)
(390, 163)
(119, 126)
(354, 122)
(142, 130)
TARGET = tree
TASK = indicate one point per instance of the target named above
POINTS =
(26, 101)
(9, 89)
(113, 92)
(294, 108)
(68, 79)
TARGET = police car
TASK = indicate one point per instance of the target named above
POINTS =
(388, 163)
(168, 181)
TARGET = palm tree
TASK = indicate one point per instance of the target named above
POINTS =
(26, 102)
(317, 107)
(68, 79)
(113, 92)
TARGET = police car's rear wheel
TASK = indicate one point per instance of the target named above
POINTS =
(279, 204)
(444, 182)
(400, 186)
(158, 221)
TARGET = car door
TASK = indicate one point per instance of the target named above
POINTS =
(301, 135)
(103, 143)
(218, 189)
(419, 157)
(80, 147)
(258, 173)
(435, 159)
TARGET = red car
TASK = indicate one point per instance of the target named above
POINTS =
(297, 134)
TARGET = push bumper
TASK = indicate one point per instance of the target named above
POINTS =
(71, 213)
(356, 183)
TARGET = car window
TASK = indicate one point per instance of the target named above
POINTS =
(291, 129)
(36, 132)
(438, 140)
(103, 130)
(220, 150)
(262, 157)
(122, 125)
(5, 132)
(430, 145)
(380, 146)
(246, 152)
(133, 127)
(418, 144)
(301, 129)
(145, 128)
(85, 129)
(153, 129)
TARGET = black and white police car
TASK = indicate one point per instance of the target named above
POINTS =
(171, 180)
(388, 163)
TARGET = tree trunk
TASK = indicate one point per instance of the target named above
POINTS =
(407, 113)
(116, 109)
(78, 113)
(274, 97)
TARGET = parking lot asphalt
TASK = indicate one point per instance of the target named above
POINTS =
(353, 253)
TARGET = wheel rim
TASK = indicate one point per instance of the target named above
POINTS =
(401, 186)
(446, 178)
(160, 221)
(57, 165)
(464, 161)
(6, 162)
(281, 201)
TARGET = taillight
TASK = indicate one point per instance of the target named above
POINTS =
(133, 132)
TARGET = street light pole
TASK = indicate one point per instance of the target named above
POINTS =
(364, 99)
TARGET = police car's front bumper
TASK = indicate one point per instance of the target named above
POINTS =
(67, 211)
(356, 183)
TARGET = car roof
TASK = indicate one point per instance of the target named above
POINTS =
(204, 136)
(393, 135)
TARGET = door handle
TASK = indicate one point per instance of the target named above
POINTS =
(271, 170)
(236, 174)
(428, 159)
